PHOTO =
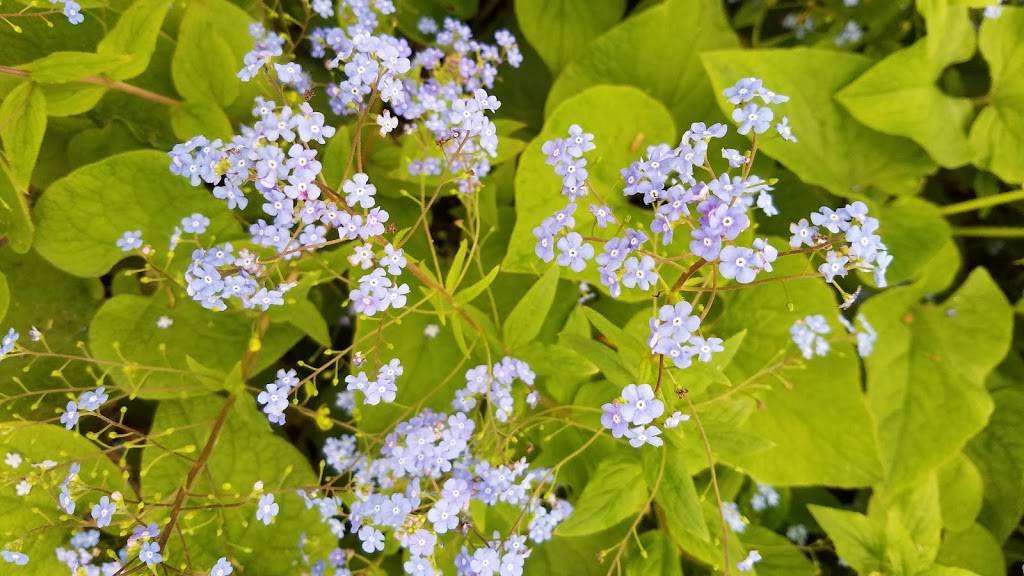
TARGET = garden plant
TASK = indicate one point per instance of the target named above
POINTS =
(503, 287)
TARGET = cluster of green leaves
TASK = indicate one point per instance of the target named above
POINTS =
(910, 463)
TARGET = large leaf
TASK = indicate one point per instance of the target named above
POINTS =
(899, 95)
(634, 53)
(81, 216)
(61, 67)
(973, 549)
(155, 362)
(22, 125)
(245, 452)
(615, 492)
(857, 539)
(211, 44)
(560, 30)
(134, 36)
(999, 452)
(32, 524)
(819, 423)
(834, 150)
(618, 116)
(998, 134)
(926, 376)
(15, 220)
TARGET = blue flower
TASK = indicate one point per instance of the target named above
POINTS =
(753, 117)
(738, 262)
(195, 224)
(92, 400)
(784, 130)
(69, 418)
(266, 509)
(641, 435)
(7, 342)
(641, 407)
(150, 554)
(103, 511)
(613, 420)
(574, 253)
(359, 191)
(371, 538)
(222, 567)
(131, 240)
(834, 265)
(743, 91)
(12, 557)
(747, 564)
(640, 273)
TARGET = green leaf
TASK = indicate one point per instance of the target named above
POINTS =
(15, 221)
(33, 524)
(917, 511)
(616, 491)
(900, 95)
(926, 375)
(998, 452)
(961, 490)
(196, 118)
(998, 133)
(972, 549)
(233, 531)
(659, 557)
(62, 67)
(135, 36)
(72, 98)
(632, 54)
(826, 132)
(22, 125)
(619, 117)
(468, 294)
(676, 494)
(632, 352)
(154, 362)
(858, 540)
(780, 556)
(809, 410)
(5, 296)
(81, 216)
(915, 231)
(211, 44)
(560, 30)
(524, 322)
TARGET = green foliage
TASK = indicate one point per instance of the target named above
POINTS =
(544, 25)
(615, 492)
(811, 77)
(78, 226)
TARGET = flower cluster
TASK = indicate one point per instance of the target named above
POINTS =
(674, 334)
(382, 389)
(495, 384)
(441, 88)
(851, 238)
(8, 342)
(809, 335)
(864, 334)
(87, 402)
(420, 484)
(630, 416)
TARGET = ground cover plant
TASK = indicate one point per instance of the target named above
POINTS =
(494, 287)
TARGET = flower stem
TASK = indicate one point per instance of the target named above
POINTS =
(983, 202)
(106, 83)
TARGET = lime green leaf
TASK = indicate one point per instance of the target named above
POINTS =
(972, 549)
(999, 452)
(135, 36)
(926, 375)
(71, 99)
(524, 322)
(779, 557)
(809, 410)
(917, 510)
(616, 491)
(914, 231)
(603, 357)
(22, 125)
(826, 132)
(15, 221)
(5, 296)
(619, 117)
(154, 362)
(628, 54)
(632, 352)
(899, 95)
(81, 216)
(32, 524)
(468, 294)
(205, 118)
(62, 67)
(676, 495)
(998, 133)
(659, 557)
(858, 540)
(961, 491)
(228, 477)
(211, 44)
(560, 30)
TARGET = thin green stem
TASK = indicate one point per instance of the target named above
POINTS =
(983, 202)
(989, 232)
